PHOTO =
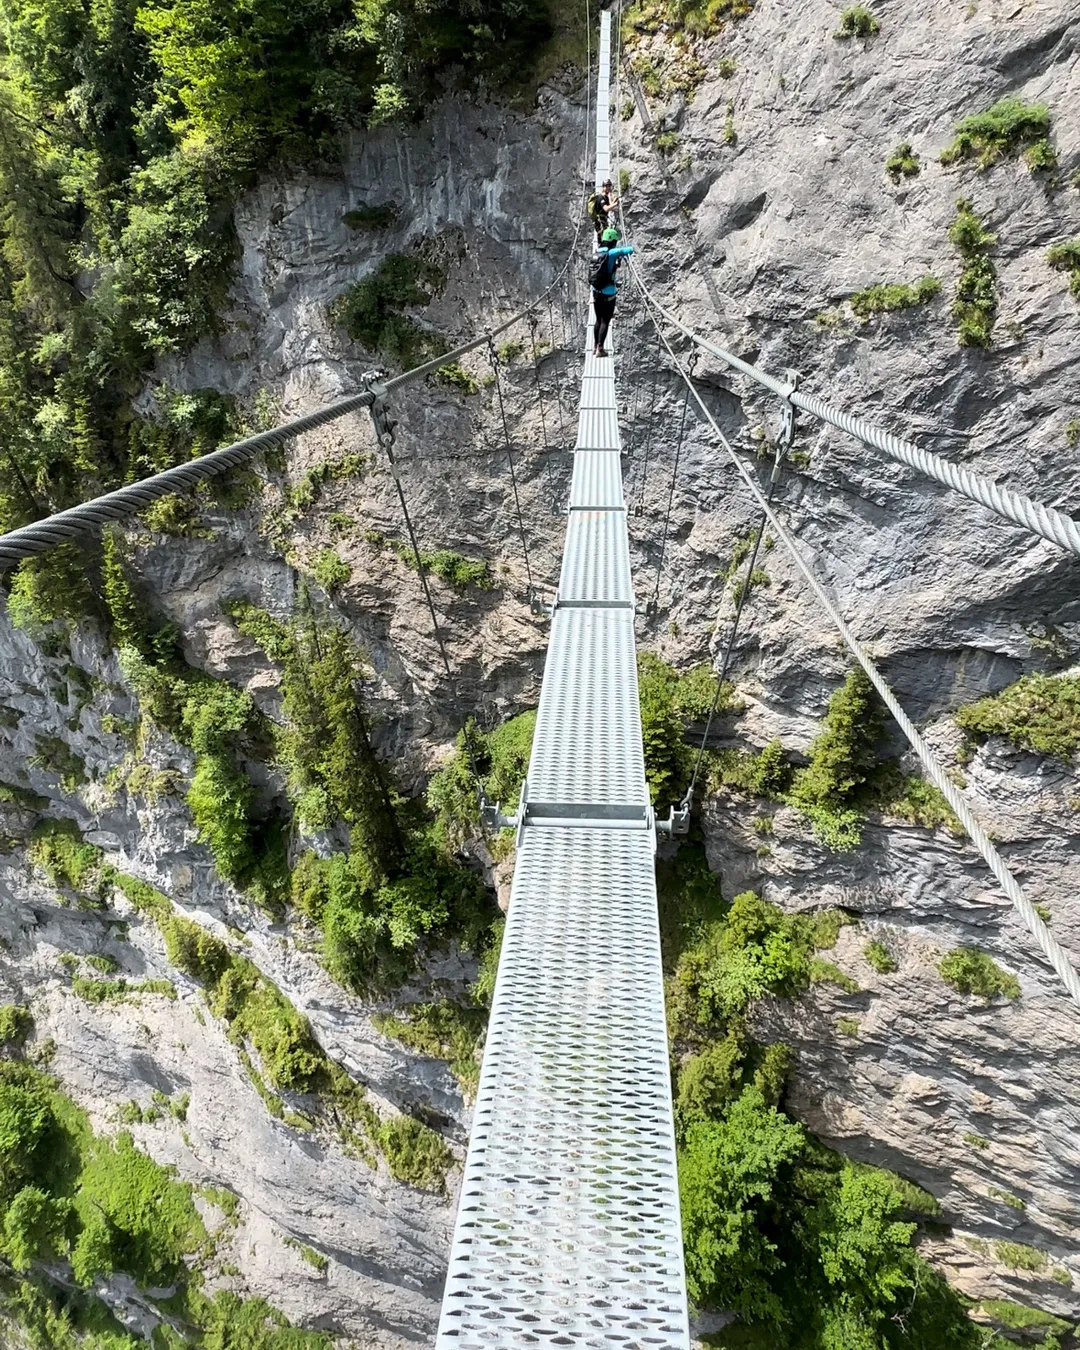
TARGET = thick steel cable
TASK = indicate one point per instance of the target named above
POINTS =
(1048, 944)
(495, 364)
(40, 535)
(671, 494)
(1045, 521)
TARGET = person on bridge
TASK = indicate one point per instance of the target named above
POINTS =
(605, 288)
(601, 204)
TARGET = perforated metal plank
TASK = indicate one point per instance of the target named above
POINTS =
(568, 1231)
(598, 429)
(587, 743)
(596, 560)
(597, 480)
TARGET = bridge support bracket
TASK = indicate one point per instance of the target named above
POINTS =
(678, 821)
(787, 426)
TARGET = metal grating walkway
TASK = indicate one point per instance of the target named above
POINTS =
(568, 1227)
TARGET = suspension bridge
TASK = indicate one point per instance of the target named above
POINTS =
(568, 1229)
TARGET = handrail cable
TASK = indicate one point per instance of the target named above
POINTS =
(1046, 521)
(1049, 945)
(639, 509)
(495, 364)
(41, 535)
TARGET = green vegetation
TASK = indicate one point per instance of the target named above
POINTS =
(888, 296)
(373, 310)
(453, 568)
(455, 376)
(443, 1031)
(1006, 1197)
(669, 702)
(976, 1141)
(398, 886)
(1040, 713)
(1066, 258)
(57, 847)
(106, 1208)
(667, 142)
(1072, 433)
(879, 956)
(313, 1258)
(847, 1026)
(1005, 129)
(842, 760)
(971, 971)
(975, 306)
(857, 21)
(699, 18)
(624, 181)
(330, 570)
(1018, 1256)
(119, 991)
(903, 162)
(366, 217)
(1018, 1318)
(16, 1024)
(812, 1252)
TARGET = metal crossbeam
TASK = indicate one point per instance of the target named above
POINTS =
(568, 1227)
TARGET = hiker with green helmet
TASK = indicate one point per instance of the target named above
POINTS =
(600, 206)
(605, 289)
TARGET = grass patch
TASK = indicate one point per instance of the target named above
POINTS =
(970, 971)
(1018, 1318)
(455, 376)
(879, 956)
(1006, 1197)
(373, 311)
(976, 303)
(1040, 713)
(847, 1026)
(442, 1031)
(976, 1141)
(330, 570)
(1019, 1256)
(903, 162)
(699, 18)
(857, 21)
(1066, 258)
(16, 1023)
(449, 566)
(1003, 130)
(313, 1258)
(886, 297)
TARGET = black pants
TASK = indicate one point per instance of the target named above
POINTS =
(605, 312)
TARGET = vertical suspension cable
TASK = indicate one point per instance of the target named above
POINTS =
(493, 357)
(639, 510)
(671, 492)
(540, 403)
(557, 353)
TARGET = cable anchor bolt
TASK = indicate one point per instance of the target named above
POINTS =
(379, 408)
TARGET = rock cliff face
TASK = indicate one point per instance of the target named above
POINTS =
(775, 202)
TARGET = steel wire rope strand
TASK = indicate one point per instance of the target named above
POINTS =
(729, 646)
(671, 492)
(540, 404)
(555, 367)
(1045, 521)
(1048, 944)
(41, 535)
(495, 364)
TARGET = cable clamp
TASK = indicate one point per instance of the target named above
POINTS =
(678, 821)
(787, 426)
(492, 818)
(540, 607)
(380, 410)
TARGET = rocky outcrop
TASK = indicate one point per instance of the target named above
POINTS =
(788, 220)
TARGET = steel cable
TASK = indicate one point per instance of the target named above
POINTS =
(1045, 521)
(671, 494)
(1048, 944)
(495, 363)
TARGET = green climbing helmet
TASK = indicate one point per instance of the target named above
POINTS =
(610, 237)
